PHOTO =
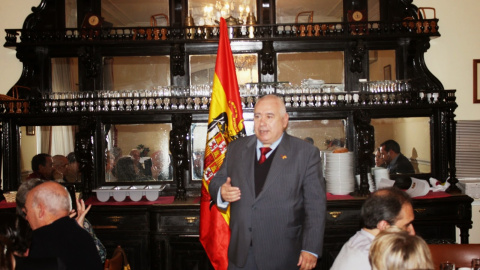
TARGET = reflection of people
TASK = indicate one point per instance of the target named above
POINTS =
(160, 162)
(277, 216)
(73, 172)
(379, 161)
(109, 177)
(139, 170)
(198, 165)
(383, 209)
(117, 153)
(309, 140)
(394, 249)
(124, 169)
(60, 164)
(55, 234)
(396, 161)
(42, 166)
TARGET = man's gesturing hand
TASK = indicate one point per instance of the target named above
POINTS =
(229, 193)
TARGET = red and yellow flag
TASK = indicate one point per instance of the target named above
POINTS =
(225, 123)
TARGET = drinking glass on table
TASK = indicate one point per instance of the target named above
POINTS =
(476, 264)
(447, 266)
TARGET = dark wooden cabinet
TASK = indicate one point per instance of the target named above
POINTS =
(171, 241)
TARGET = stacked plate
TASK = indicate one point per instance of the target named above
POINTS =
(339, 173)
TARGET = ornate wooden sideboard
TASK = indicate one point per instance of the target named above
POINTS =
(165, 236)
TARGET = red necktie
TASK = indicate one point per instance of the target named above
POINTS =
(263, 151)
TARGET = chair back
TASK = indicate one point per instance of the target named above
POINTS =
(460, 254)
(118, 261)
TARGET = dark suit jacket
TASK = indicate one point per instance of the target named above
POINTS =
(66, 240)
(287, 216)
(402, 165)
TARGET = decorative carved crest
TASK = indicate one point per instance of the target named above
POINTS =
(179, 148)
(358, 54)
(267, 55)
(91, 63)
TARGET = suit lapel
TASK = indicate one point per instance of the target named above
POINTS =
(247, 161)
(278, 163)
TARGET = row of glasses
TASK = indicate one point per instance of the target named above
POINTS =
(475, 265)
(385, 86)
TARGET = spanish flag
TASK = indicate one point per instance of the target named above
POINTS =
(225, 123)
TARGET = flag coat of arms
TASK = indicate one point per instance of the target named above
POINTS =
(225, 123)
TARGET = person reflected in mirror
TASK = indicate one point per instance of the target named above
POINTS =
(137, 165)
(395, 249)
(277, 199)
(55, 234)
(334, 144)
(161, 166)
(309, 140)
(110, 163)
(42, 166)
(117, 153)
(60, 164)
(396, 162)
(379, 161)
(383, 209)
(124, 170)
(73, 173)
(198, 163)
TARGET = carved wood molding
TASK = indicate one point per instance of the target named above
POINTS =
(177, 55)
(179, 138)
(267, 56)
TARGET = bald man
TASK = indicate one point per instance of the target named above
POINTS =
(55, 234)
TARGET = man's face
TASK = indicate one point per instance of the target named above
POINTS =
(269, 120)
(385, 155)
(379, 161)
(135, 155)
(405, 219)
(61, 164)
(47, 170)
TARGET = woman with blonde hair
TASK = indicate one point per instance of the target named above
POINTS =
(394, 249)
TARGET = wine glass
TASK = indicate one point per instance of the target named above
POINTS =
(476, 264)
(447, 266)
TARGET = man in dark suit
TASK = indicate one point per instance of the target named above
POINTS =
(277, 202)
(55, 234)
(396, 162)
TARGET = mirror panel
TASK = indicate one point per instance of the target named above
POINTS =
(322, 66)
(208, 12)
(202, 68)
(71, 13)
(64, 74)
(323, 11)
(413, 136)
(325, 134)
(295, 11)
(125, 13)
(53, 140)
(138, 152)
(135, 72)
(382, 65)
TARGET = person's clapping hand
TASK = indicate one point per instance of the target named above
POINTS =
(81, 212)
